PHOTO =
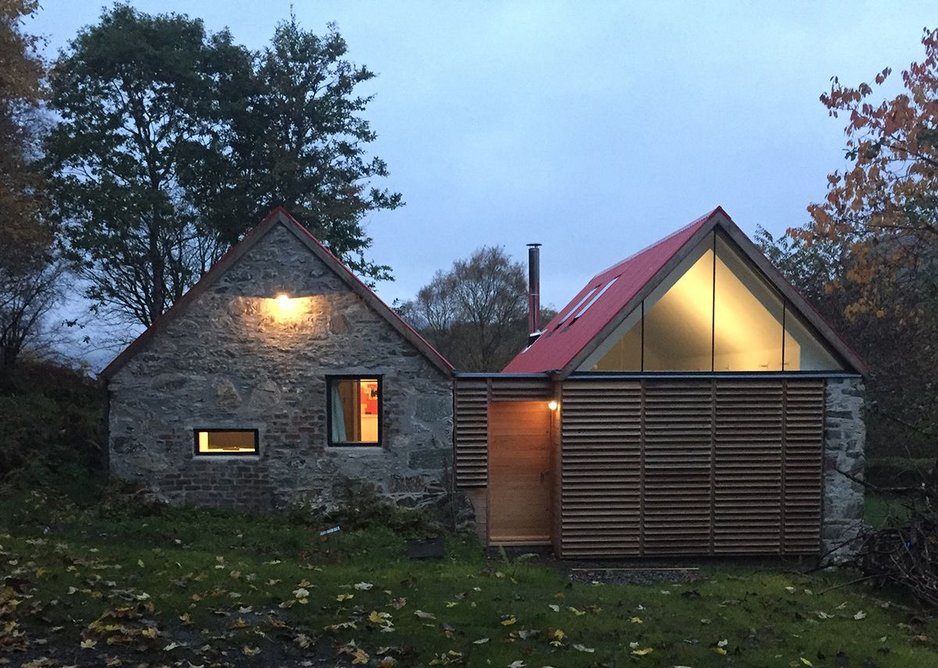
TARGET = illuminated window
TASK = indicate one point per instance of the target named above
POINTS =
(354, 411)
(225, 441)
(679, 323)
(713, 312)
(747, 318)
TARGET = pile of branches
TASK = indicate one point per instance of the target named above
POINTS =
(905, 554)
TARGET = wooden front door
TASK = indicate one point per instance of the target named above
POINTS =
(519, 473)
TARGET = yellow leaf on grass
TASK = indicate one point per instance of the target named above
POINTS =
(360, 656)
(719, 650)
(379, 617)
(643, 652)
(636, 620)
(805, 661)
(344, 597)
(508, 620)
(88, 644)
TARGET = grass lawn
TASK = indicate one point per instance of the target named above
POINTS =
(98, 586)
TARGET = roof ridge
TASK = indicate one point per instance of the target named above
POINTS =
(696, 221)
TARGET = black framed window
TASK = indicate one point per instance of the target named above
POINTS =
(229, 442)
(354, 406)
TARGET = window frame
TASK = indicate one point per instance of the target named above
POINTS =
(330, 379)
(226, 453)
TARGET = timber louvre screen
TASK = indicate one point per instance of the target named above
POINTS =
(704, 467)
(471, 398)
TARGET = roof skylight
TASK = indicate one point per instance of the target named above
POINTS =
(576, 306)
(594, 299)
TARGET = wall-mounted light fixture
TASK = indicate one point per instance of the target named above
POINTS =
(286, 309)
(552, 405)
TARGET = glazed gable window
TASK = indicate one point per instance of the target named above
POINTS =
(354, 410)
(225, 442)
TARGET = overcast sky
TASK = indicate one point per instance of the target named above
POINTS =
(591, 127)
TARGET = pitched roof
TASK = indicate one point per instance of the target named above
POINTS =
(610, 296)
(281, 216)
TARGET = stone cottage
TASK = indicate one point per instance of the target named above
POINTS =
(276, 378)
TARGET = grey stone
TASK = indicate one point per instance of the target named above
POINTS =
(844, 438)
(226, 362)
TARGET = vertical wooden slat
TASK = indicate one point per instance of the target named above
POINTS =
(747, 467)
(804, 451)
(678, 422)
(470, 432)
(600, 460)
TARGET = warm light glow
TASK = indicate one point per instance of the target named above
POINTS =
(552, 404)
(227, 442)
(285, 309)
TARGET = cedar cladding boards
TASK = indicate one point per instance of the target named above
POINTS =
(697, 467)
(223, 362)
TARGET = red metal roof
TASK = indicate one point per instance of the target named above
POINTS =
(603, 298)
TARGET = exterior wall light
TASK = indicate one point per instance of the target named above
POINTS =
(286, 309)
(552, 405)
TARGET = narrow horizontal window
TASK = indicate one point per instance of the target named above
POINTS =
(354, 410)
(226, 441)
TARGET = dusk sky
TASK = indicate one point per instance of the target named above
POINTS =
(591, 127)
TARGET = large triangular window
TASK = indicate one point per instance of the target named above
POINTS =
(713, 312)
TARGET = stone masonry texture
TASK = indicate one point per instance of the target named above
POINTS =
(844, 439)
(226, 362)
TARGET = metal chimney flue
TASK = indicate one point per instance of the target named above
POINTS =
(534, 292)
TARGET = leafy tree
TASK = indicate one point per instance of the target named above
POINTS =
(27, 283)
(883, 208)
(136, 98)
(297, 139)
(869, 255)
(173, 141)
(475, 313)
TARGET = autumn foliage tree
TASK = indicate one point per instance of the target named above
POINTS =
(869, 256)
(28, 280)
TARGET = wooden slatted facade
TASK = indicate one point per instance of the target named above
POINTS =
(471, 397)
(690, 467)
(470, 432)
(647, 467)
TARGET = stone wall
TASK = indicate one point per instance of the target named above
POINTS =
(229, 360)
(844, 439)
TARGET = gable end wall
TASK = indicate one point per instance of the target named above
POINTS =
(224, 362)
